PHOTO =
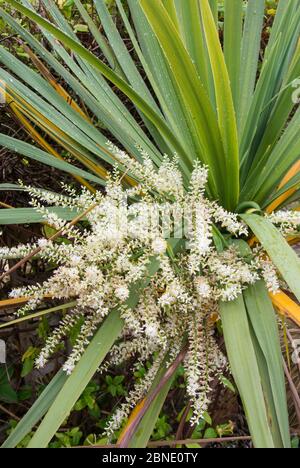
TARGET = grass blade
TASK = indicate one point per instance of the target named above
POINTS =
(199, 111)
(78, 380)
(41, 313)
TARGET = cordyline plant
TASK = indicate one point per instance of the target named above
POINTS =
(218, 146)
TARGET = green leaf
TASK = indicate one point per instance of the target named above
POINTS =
(106, 49)
(158, 72)
(198, 109)
(281, 254)
(39, 314)
(265, 328)
(245, 370)
(126, 62)
(210, 433)
(191, 31)
(249, 56)
(227, 384)
(31, 215)
(91, 89)
(233, 24)
(78, 380)
(214, 9)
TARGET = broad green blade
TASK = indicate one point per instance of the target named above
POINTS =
(263, 319)
(161, 77)
(127, 64)
(282, 110)
(268, 86)
(96, 95)
(37, 411)
(59, 113)
(199, 111)
(125, 60)
(32, 216)
(214, 9)
(245, 370)
(282, 255)
(192, 34)
(258, 112)
(171, 9)
(267, 390)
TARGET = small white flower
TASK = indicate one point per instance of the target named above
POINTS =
(159, 246)
(270, 276)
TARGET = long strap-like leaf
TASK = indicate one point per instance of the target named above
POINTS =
(87, 366)
(281, 254)
(37, 411)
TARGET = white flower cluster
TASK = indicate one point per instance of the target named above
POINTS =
(287, 221)
(101, 266)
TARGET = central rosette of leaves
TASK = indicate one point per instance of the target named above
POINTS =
(149, 216)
